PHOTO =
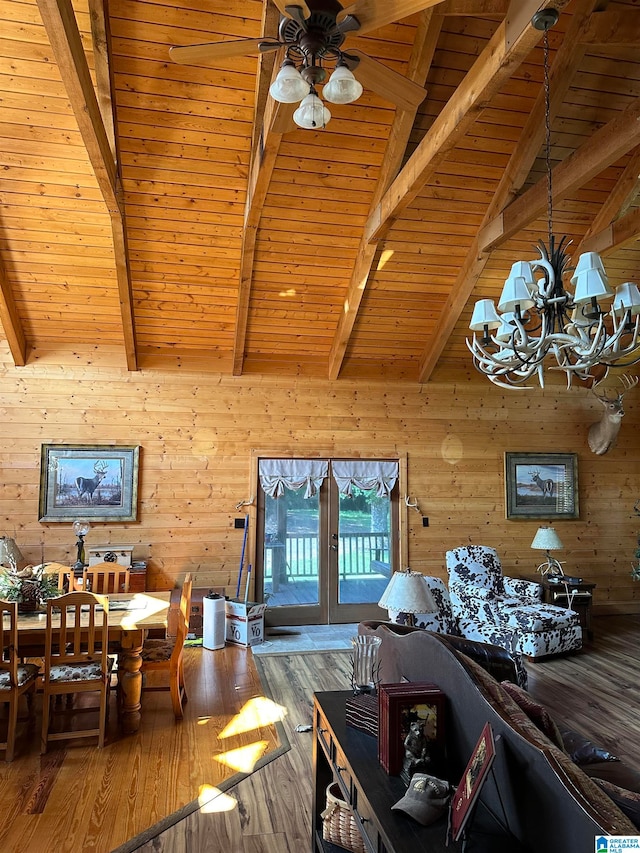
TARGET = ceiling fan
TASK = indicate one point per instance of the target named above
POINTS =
(311, 34)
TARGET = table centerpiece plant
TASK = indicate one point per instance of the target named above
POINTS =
(30, 587)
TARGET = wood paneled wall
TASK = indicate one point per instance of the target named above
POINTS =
(197, 432)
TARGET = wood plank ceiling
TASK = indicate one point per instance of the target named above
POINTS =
(170, 211)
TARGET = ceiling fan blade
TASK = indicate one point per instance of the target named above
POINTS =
(387, 83)
(195, 53)
(376, 13)
(286, 8)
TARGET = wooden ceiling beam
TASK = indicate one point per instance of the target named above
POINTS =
(268, 128)
(11, 321)
(565, 65)
(618, 202)
(62, 29)
(603, 148)
(510, 45)
(424, 47)
(623, 232)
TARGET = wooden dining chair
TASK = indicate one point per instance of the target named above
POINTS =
(106, 578)
(164, 657)
(16, 679)
(67, 579)
(76, 660)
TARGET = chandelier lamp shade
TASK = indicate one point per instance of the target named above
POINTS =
(540, 323)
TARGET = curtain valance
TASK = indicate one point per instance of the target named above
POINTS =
(365, 474)
(276, 475)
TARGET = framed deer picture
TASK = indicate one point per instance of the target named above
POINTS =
(97, 482)
(541, 485)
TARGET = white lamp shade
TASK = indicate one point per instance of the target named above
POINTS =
(408, 592)
(523, 269)
(546, 539)
(627, 297)
(10, 554)
(588, 261)
(515, 293)
(590, 284)
(342, 87)
(311, 113)
(484, 314)
(507, 327)
(288, 87)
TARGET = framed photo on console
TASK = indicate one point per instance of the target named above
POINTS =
(472, 780)
(406, 710)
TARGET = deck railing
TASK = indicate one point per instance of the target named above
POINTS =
(356, 552)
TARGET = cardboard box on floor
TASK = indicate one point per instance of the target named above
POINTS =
(244, 622)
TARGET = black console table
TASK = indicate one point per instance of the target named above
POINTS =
(350, 757)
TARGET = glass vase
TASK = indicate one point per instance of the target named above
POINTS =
(365, 677)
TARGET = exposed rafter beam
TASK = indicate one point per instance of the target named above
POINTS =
(621, 233)
(267, 135)
(565, 65)
(618, 201)
(59, 21)
(507, 49)
(420, 61)
(603, 148)
(11, 322)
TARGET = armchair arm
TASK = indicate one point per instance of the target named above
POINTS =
(468, 590)
(520, 588)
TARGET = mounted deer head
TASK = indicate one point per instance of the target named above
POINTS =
(603, 434)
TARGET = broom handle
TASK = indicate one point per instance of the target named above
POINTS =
(244, 545)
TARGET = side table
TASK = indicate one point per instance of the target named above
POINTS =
(578, 596)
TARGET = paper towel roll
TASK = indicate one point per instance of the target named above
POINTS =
(213, 622)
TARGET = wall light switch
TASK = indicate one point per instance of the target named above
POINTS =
(425, 521)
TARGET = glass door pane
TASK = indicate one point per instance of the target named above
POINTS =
(364, 547)
(291, 558)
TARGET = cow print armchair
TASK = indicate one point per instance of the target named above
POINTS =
(479, 592)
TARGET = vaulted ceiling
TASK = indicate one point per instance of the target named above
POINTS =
(171, 212)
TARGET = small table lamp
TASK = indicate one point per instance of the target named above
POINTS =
(10, 555)
(80, 528)
(408, 593)
(546, 539)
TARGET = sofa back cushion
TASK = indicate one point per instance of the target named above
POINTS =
(476, 565)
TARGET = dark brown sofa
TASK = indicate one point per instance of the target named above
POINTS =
(537, 798)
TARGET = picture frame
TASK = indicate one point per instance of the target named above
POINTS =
(400, 705)
(468, 790)
(96, 482)
(541, 485)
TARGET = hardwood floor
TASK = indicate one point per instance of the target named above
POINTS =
(79, 798)
(596, 691)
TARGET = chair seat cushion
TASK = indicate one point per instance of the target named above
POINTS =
(78, 671)
(157, 650)
(534, 617)
(26, 672)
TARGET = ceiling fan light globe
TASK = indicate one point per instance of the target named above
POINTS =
(312, 113)
(288, 87)
(342, 88)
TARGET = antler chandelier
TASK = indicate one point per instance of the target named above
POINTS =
(539, 321)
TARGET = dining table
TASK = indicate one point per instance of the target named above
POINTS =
(131, 617)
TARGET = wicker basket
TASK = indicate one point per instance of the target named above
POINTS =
(338, 822)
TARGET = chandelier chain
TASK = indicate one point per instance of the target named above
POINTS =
(547, 131)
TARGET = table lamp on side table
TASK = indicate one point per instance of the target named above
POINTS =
(408, 594)
(546, 539)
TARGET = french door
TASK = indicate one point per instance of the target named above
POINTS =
(325, 557)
